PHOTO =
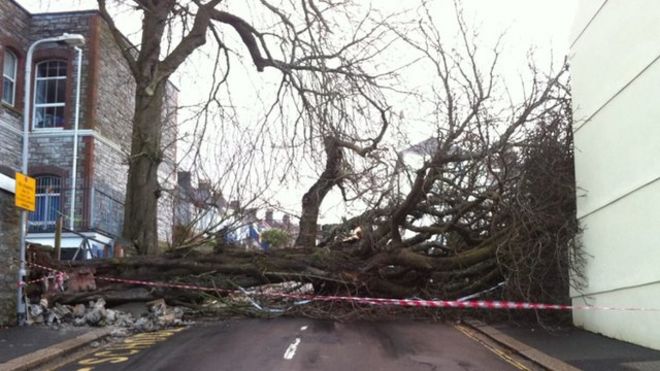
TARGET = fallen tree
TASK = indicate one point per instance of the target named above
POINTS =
(521, 232)
(487, 201)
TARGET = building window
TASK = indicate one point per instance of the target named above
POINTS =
(49, 203)
(50, 95)
(9, 71)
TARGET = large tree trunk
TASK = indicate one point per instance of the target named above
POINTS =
(143, 190)
(311, 201)
(387, 274)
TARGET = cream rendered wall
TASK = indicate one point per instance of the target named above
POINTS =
(616, 95)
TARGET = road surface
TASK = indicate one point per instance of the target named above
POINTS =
(298, 344)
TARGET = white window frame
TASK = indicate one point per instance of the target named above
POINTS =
(12, 79)
(36, 105)
(48, 192)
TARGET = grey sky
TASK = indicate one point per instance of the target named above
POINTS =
(544, 25)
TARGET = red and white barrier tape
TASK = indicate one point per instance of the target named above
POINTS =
(164, 284)
(58, 276)
(32, 281)
(58, 279)
(44, 267)
(419, 303)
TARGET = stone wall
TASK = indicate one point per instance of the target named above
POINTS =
(10, 144)
(110, 175)
(116, 91)
(167, 172)
(9, 243)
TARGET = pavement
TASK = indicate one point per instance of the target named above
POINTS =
(25, 348)
(18, 341)
(299, 344)
(582, 349)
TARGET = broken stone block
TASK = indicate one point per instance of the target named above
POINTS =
(53, 319)
(64, 312)
(124, 320)
(36, 310)
(166, 319)
(144, 324)
(79, 310)
(94, 316)
(81, 321)
(157, 306)
(110, 316)
(178, 313)
(99, 304)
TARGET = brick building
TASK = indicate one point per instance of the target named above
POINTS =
(106, 108)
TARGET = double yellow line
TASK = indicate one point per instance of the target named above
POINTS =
(472, 335)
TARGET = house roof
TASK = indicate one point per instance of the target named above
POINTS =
(425, 147)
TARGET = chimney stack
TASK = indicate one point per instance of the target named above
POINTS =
(269, 216)
(204, 188)
(184, 180)
(204, 185)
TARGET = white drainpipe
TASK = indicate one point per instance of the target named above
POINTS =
(74, 166)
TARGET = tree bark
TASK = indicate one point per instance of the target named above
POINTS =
(143, 190)
(311, 201)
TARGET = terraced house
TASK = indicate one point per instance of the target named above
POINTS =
(89, 195)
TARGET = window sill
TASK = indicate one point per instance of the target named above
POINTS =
(11, 108)
(48, 130)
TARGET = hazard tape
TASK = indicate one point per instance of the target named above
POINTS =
(417, 303)
(167, 285)
(32, 281)
(44, 267)
(58, 276)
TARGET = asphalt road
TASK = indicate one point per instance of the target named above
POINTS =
(300, 344)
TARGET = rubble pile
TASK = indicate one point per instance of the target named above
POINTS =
(157, 316)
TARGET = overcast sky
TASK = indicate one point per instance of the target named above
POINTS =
(540, 24)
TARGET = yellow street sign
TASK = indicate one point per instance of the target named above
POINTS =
(26, 189)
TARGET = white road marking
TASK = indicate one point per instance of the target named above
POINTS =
(291, 350)
(303, 328)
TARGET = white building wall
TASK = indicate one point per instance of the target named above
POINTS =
(616, 95)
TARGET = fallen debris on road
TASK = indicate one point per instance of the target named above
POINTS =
(158, 315)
